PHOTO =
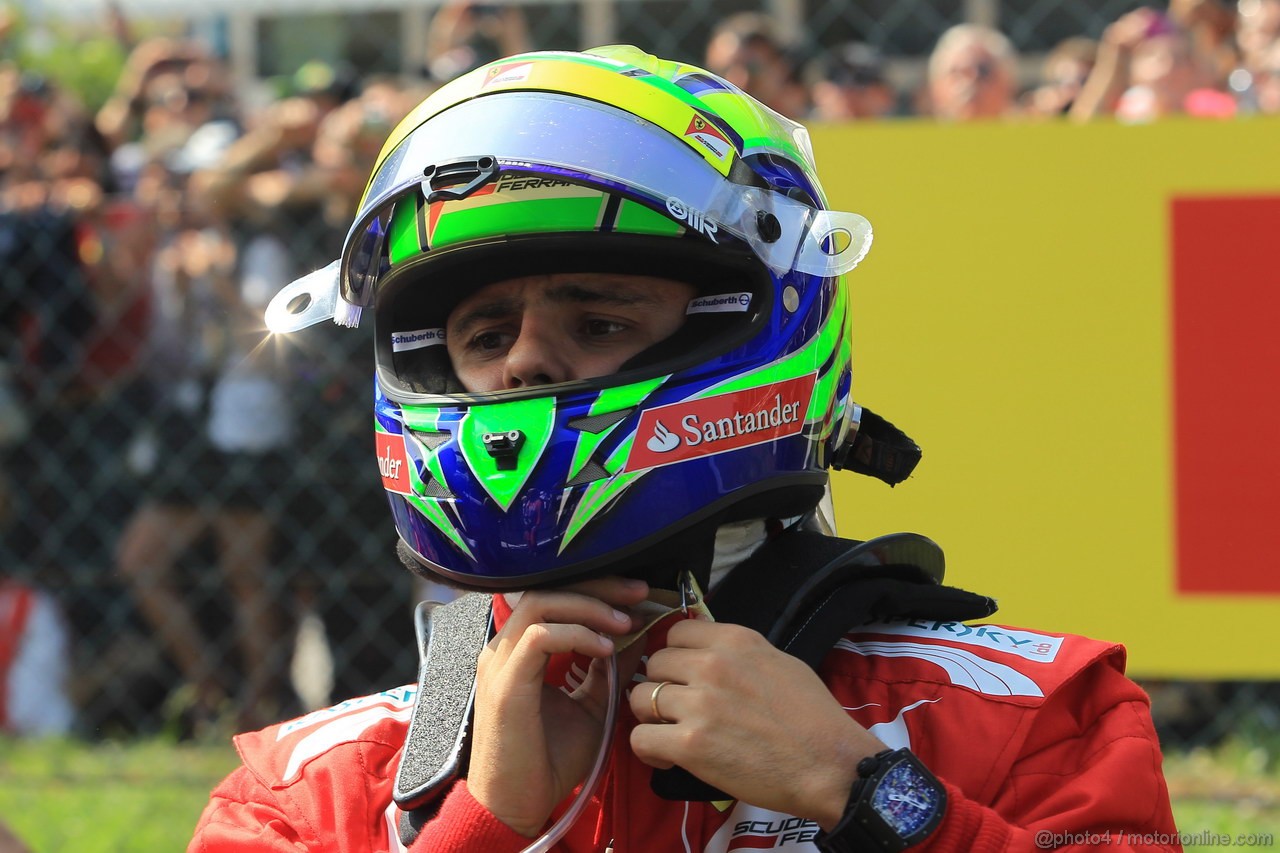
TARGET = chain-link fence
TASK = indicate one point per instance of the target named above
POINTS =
(141, 413)
(904, 31)
(108, 420)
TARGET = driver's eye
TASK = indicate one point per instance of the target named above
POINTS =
(487, 341)
(603, 327)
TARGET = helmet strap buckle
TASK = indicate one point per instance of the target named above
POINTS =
(688, 592)
(878, 449)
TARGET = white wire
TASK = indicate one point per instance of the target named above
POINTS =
(549, 838)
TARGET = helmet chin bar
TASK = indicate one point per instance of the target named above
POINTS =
(692, 550)
(658, 559)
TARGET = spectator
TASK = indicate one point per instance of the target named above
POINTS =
(295, 177)
(1257, 32)
(268, 180)
(47, 314)
(847, 82)
(1147, 69)
(745, 50)
(72, 305)
(34, 672)
(1267, 81)
(1257, 29)
(465, 35)
(973, 73)
(327, 180)
(213, 458)
(1210, 26)
(1062, 76)
(328, 84)
(162, 88)
(34, 645)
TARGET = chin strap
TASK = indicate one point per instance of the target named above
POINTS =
(878, 449)
(804, 590)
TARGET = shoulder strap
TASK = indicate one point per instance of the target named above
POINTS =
(804, 591)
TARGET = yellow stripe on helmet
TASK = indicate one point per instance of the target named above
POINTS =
(550, 72)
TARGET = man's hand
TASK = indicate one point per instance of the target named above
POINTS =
(751, 720)
(534, 743)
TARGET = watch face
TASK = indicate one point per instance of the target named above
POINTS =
(906, 799)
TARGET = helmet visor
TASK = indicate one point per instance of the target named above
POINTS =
(586, 142)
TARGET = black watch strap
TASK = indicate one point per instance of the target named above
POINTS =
(895, 803)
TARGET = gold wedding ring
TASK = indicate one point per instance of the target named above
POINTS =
(653, 702)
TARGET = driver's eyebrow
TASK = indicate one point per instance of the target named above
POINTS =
(579, 294)
(604, 294)
(494, 309)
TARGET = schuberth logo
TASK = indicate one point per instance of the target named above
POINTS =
(681, 431)
(404, 341)
(720, 304)
(392, 463)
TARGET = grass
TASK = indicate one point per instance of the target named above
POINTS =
(107, 797)
(1230, 790)
(145, 796)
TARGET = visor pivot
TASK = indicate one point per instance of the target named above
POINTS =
(504, 447)
(768, 225)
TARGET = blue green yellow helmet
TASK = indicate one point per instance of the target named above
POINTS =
(606, 161)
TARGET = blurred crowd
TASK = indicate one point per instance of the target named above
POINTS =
(1204, 58)
(144, 416)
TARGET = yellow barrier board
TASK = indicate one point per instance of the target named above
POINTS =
(1078, 325)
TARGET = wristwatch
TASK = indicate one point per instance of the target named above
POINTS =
(895, 803)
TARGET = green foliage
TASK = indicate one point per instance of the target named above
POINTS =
(85, 60)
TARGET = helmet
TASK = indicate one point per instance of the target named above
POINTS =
(609, 161)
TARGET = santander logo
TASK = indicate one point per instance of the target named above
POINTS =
(721, 423)
(663, 439)
(392, 463)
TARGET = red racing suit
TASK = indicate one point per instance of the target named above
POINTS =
(1040, 740)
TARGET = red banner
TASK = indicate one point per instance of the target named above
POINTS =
(1226, 363)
